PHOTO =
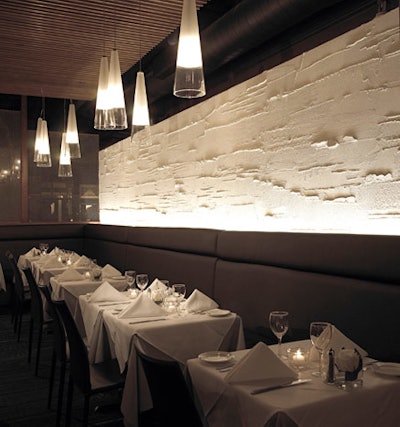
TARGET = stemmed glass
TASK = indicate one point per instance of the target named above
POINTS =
(179, 293)
(44, 247)
(130, 276)
(279, 324)
(142, 280)
(320, 335)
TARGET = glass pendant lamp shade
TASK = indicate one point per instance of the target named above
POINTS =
(72, 137)
(116, 92)
(64, 167)
(37, 139)
(140, 117)
(103, 118)
(189, 77)
(43, 155)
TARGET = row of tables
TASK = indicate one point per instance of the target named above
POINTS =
(184, 337)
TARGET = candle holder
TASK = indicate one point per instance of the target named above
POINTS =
(298, 357)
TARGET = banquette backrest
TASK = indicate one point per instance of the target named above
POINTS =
(351, 281)
(181, 255)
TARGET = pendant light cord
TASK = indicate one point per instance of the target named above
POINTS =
(140, 35)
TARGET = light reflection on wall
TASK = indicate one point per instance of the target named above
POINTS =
(312, 145)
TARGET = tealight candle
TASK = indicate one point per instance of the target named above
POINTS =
(298, 357)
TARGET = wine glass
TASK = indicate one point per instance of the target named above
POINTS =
(279, 324)
(44, 247)
(179, 293)
(320, 335)
(130, 276)
(142, 280)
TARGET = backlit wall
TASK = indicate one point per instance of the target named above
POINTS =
(311, 145)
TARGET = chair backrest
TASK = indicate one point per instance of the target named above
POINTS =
(59, 333)
(172, 401)
(78, 352)
(36, 298)
(18, 282)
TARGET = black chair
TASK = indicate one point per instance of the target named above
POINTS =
(60, 354)
(37, 319)
(167, 387)
(90, 379)
(20, 298)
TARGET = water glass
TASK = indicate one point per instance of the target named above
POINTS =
(142, 280)
(130, 276)
(279, 324)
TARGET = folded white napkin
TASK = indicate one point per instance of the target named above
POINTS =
(52, 262)
(337, 342)
(143, 306)
(198, 301)
(106, 292)
(82, 261)
(261, 367)
(74, 257)
(54, 251)
(70, 274)
(157, 285)
(109, 271)
(33, 252)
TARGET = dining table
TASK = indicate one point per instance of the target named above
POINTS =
(371, 401)
(171, 336)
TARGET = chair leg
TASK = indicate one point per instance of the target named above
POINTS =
(30, 340)
(60, 394)
(51, 379)
(19, 325)
(69, 401)
(39, 344)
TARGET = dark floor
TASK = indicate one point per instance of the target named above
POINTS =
(23, 396)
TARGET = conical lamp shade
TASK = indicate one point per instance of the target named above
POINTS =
(140, 117)
(72, 137)
(104, 116)
(189, 77)
(116, 92)
(64, 166)
(38, 139)
(43, 158)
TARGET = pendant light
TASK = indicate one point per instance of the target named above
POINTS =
(103, 118)
(64, 167)
(72, 137)
(116, 93)
(189, 77)
(38, 138)
(42, 155)
(140, 116)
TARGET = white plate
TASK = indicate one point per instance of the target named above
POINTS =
(118, 277)
(216, 312)
(216, 357)
(390, 369)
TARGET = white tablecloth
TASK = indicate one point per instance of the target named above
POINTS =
(312, 404)
(177, 338)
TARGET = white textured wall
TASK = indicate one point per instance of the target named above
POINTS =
(313, 145)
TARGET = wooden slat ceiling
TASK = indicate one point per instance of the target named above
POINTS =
(52, 48)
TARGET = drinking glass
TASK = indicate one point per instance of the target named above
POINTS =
(130, 276)
(179, 294)
(320, 335)
(142, 280)
(179, 291)
(279, 324)
(44, 247)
